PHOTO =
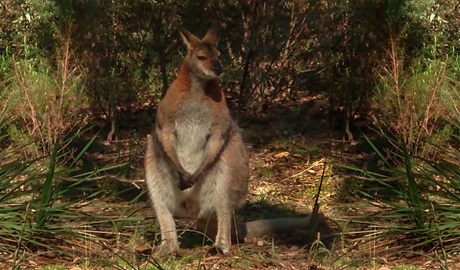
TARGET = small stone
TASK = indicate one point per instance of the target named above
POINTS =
(295, 248)
(260, 243)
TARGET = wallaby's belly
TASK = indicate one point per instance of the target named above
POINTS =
(193, 124)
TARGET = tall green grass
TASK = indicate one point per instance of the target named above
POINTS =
(411, 209)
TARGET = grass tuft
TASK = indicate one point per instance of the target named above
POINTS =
(412, 209)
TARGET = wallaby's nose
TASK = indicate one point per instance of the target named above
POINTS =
(217, 67)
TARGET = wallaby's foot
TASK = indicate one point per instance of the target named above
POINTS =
(215, 251)
(222, 245)
(166, 248)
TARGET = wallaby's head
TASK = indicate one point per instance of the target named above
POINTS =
(203, 55)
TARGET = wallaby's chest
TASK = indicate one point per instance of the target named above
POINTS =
(193, 124)
(193, 113)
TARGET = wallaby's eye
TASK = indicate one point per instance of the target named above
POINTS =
(201, 57)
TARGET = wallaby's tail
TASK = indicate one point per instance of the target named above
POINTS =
(258, 228)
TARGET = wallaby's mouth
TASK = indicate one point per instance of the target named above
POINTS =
(218, 75)
(213, 74)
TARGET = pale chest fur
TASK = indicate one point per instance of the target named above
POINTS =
(193, 124)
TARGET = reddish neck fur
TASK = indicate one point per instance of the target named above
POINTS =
(184, 73)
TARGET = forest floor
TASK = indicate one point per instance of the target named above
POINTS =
(293, 149)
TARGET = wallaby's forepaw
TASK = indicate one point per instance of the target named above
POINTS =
(185, 180)
(166, 248)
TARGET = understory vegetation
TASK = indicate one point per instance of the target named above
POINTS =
(362, 96)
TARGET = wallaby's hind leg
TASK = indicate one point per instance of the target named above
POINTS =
(161, 183)
(169, 243)
(208, 226)
(224, 226)
(217, 229)
(224, 189)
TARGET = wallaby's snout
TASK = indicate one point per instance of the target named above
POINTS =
(205, 63)
(217, 67)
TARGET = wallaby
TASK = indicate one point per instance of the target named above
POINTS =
(196, 164)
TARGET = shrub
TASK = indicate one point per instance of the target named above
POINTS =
(417, 102)
(20, 18)
(42, 104)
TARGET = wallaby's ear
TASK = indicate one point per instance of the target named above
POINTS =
(190, 40)
(211, 36)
